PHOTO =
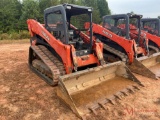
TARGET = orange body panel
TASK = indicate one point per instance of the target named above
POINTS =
(127, 45)
(63, 50)
(148, 36)
(152, 37)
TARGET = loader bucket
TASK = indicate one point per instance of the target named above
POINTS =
(152, 62)
(147, 66)
(88, 90)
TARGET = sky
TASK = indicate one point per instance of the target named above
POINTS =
(147, 8)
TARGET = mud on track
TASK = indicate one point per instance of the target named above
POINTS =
(24, 96)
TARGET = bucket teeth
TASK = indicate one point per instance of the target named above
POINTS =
(130, 88)
(136, 87)
(102, 106)
(112, 100)
(90, 91)
(125, 92)
(92, 109)
(118, 95)
(141, 84)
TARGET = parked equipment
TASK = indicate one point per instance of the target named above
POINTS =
(150, 28)
(63, 54)
(151, 25)
(121, 44)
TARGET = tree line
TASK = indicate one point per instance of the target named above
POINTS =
(14, 13)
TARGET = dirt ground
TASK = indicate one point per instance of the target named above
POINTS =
(24, 96)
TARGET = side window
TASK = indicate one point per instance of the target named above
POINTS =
(108, 23)
(121, 22)
(134, 22)
(153, 25)
(53, 19)
(147, 26)
(79, 20)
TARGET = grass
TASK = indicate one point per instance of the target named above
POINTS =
(14, 41)
(15, 35)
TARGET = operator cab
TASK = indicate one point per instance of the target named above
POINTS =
(66, 23)
(122, 24)
(129, 27)
(111, 22)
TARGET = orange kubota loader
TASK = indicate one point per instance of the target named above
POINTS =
(121, 44)
(152, 25)
(151, 28)
(63, 54)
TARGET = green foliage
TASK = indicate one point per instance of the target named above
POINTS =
(94, 5)
(14, 15)
(103, 8)
(4, 36)
(24, 34)
(15, 35)
(9, 15)
(43, 4)
(30, 10)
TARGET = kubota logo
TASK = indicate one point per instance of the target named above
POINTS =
(45, 35)
(108, 34)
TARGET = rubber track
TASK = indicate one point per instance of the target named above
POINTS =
(116, 52)
(54, 59)
(154, 48)
(51, 62)
(123, 56)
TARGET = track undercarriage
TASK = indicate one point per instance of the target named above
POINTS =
(145, 65)
(45, 64)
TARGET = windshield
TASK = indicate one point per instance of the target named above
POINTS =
(133, 23)
(151, 27)
(53, 19)
(79, 20)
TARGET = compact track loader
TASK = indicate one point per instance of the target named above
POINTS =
(120, 43)
(151, 25)
(150, 29)
(63, 54)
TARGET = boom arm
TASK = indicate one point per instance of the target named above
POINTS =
(124, 43)
(153, 38)
(35, 28)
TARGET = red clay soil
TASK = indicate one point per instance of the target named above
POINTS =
(24, 96)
